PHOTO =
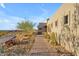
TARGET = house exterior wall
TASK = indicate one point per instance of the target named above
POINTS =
(66, 34)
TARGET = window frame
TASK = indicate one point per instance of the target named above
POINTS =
(66, 19)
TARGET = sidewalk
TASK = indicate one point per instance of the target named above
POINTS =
(42, 48)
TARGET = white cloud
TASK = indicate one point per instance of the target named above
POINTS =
(11, 21)
(44, 11)
(4, 21)
(8, 21)
(13, 25)
(0, 21)
(2, 5)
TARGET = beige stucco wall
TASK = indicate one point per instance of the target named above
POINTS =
(66, 40)
(62, 11)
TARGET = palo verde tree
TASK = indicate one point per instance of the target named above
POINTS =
(25, 26)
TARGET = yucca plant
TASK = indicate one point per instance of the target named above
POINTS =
(52, 39)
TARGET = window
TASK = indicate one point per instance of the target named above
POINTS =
(45, 26)
(56, 23)
(40, 28)
(66, 19)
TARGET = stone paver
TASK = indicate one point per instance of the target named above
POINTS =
(40, 45)
(42, 48)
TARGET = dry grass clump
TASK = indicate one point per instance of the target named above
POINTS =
(24, 43)
(51, 38)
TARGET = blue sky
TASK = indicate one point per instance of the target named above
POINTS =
(11, 13)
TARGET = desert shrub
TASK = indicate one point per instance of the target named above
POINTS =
(46, 35)
(26, 26)
(1, 49)
(52, 39)
(2, 33)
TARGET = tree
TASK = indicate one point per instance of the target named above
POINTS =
(26, 26)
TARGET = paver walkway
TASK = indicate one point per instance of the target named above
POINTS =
(42, 48)
(40, 45)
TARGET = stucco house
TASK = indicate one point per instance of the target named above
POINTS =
(65, 24)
